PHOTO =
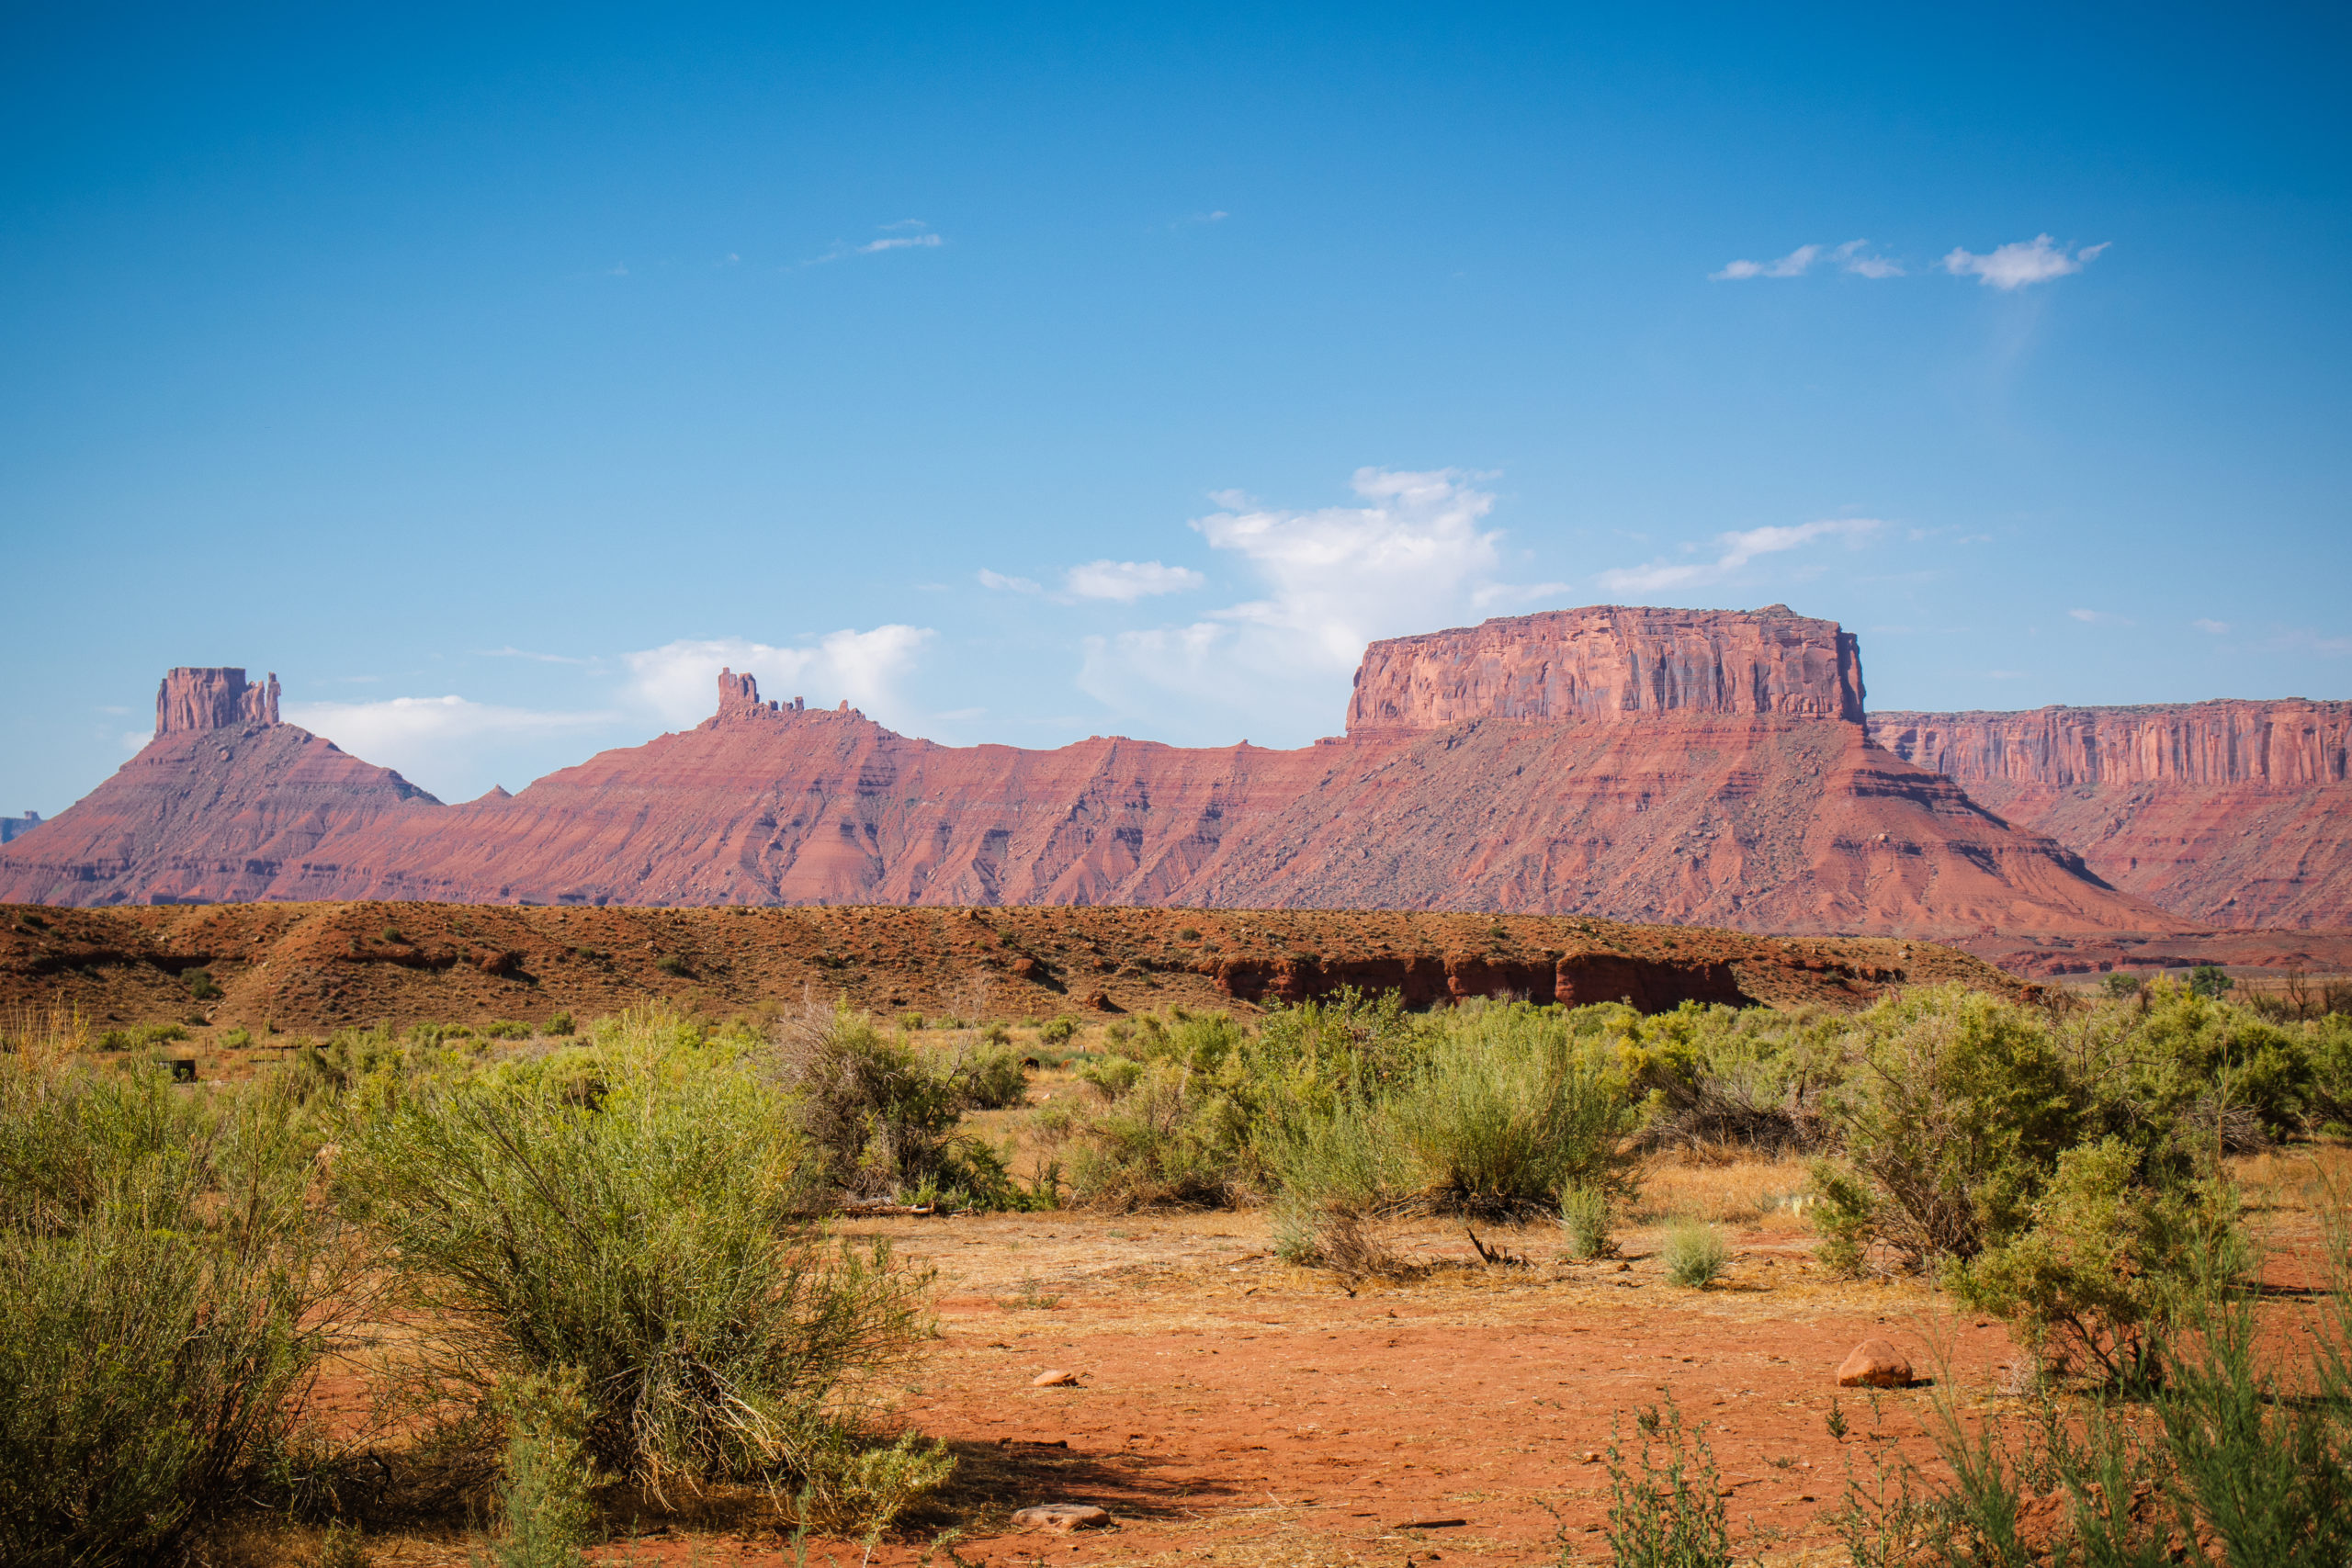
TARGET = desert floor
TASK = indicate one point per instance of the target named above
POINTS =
(1231, 1409)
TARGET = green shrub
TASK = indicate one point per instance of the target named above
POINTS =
(1664, 1508)
(994, 1077)
(1058, 1031)
(1694, 1254)
(1172, 1135)
(883, 1115)
(2093, 1280)
(1504, 1115)
(650, 1242)
(236, 1039)
(671, 964)
(560, 1025)
(1584, 1214)
(545, 1514)
(505, 1028)
(1953, 1115)
(2239, 1452)
(140, 1036)
(2116, 983)
(2208, 980)
(166, 1296)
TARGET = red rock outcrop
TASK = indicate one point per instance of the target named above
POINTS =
(225, 803)
(2232, 813)
(1612, 662)
(1744, 794)
(198, 699)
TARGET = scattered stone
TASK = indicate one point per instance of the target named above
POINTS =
(1874, 1363)
(1053, 1378)
(1062, 1516)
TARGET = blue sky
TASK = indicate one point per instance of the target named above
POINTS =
(494, 373)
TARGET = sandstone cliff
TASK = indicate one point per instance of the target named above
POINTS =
(1612, 662)
(198, 699)
(1639, 764)
(2234, 813)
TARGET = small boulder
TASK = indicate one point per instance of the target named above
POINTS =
(1053, 1378)
(1874, 1363)
(1062, 1516)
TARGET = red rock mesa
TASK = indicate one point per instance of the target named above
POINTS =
(2234, 813)
(1667, 765)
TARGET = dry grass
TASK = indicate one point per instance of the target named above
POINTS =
(1754, 1193)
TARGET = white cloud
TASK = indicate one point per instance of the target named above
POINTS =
(423, 736)
(1736, 550)
(905, 234)
(1004, 584)
(679, 680)
(1128, 580)
(2212, 629)
(2101, 618)
(1852, 256)
(1794, 264)
(2021, 262)
(1414, 556)
(511, 651)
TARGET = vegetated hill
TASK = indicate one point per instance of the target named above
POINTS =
(1627, 763)
(314, 966)
(2234, 814)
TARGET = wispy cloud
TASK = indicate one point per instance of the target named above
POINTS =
(2101, 618)
(1415, 554)
(510, 651)
(1734, 551)
(1127, 581)
(1852, 256)
(2021, 262)
(907, 234)
(2212, 629)
(423, 736)
(1003, 584)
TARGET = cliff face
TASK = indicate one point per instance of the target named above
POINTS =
(1612, 662)
(225, 803)
(2232, 813)
(192, 700)
(1744, 795)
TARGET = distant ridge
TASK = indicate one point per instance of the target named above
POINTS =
(1633, 764)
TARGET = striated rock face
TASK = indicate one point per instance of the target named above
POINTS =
(197, 699)
(230, 811)
(1612, 662)
(1640, 764)
(2234, 813)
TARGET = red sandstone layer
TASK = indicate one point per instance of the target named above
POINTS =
(1738, 804)
(1611, 661)
(2235, 813)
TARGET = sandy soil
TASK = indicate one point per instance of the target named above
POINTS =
(1230, 1409)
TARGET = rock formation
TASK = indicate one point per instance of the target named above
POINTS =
(2232, 813)
(198, 699)
(225, 803)
(1611, 661)
(1642, 764)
